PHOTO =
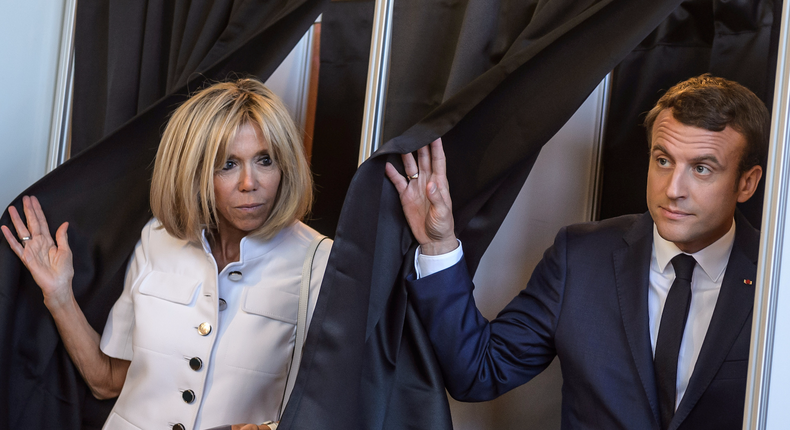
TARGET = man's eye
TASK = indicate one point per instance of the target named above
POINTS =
(702, 170)
(662, 161)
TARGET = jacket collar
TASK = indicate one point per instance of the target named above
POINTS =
(733, 308)
(632, 270)
(252, 247)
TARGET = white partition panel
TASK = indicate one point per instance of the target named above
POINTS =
(291, 79)
(30, 39)
(560, 190)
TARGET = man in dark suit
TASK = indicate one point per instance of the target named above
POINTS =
(649, 314)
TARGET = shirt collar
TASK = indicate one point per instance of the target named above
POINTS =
(253, 247)
(712, 259)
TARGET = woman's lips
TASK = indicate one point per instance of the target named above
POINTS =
(249, 208)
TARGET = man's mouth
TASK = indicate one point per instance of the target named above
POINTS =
(674, 214)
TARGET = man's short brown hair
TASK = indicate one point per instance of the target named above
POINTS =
(714, 103)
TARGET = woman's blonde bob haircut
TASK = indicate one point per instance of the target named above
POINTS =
(194, 146)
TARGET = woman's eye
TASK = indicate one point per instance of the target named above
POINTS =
(228, 165)
(266, 160)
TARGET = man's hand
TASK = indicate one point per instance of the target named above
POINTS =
(425, 196)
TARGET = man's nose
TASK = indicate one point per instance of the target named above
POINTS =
(676, 188)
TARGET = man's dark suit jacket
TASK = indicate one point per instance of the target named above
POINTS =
(586, 303)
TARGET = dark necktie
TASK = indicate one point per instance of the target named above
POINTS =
(670, 334)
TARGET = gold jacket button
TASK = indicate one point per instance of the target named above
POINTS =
(195, 363)
(179, 426)
(188, 396)
(234, 276)
(204, 329)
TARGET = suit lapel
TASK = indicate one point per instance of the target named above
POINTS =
(632, 268)
(733, 308)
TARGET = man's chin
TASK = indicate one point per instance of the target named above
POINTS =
(672, 231)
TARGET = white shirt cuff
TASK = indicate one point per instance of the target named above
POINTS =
(427, 265)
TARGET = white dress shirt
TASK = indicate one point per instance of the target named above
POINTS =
(705, 287)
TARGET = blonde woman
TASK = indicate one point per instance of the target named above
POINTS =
(203, 333)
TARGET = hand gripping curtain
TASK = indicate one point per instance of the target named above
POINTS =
(128, 80)
(368, 363)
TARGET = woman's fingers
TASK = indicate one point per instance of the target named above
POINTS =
(40, 218)
(12, 242)
(19, 226)
(31, 216)
(62, 237)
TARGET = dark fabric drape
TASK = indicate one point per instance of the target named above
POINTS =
(131, 54)
(346, 28)
(103, 192)
(368, 363)
(733, 39)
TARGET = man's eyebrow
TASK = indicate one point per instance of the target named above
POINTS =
(659, 148)
(709, 158)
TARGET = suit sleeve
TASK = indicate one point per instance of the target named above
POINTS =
(481, 360)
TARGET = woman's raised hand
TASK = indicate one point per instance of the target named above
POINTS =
(49, 261)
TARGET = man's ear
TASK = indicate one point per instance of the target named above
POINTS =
(747, 184)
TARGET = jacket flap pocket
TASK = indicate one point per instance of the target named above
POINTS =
(271, 303)
(169, 286)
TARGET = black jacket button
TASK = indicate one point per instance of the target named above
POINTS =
(188, 396)
(195, 363)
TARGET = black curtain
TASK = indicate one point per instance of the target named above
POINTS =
(517, 71)
(733, 39)
(346, 28)
(135, 64)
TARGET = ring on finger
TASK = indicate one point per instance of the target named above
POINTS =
(24, 239)
(414, 176)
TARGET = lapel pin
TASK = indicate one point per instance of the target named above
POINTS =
(748, 281)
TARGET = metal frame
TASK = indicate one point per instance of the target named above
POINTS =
(60, 127)
(777, 186)
(378, 77)
(594, 205)
(304, 75)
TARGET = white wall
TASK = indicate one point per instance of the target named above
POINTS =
(29, 43)
(291, 80)
(552, 197)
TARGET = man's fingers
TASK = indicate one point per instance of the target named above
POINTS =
(409, 165)
(19, 226)
(397, 179)
(438, 162)
(12, 242)
(424, 159)
(434, 193)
